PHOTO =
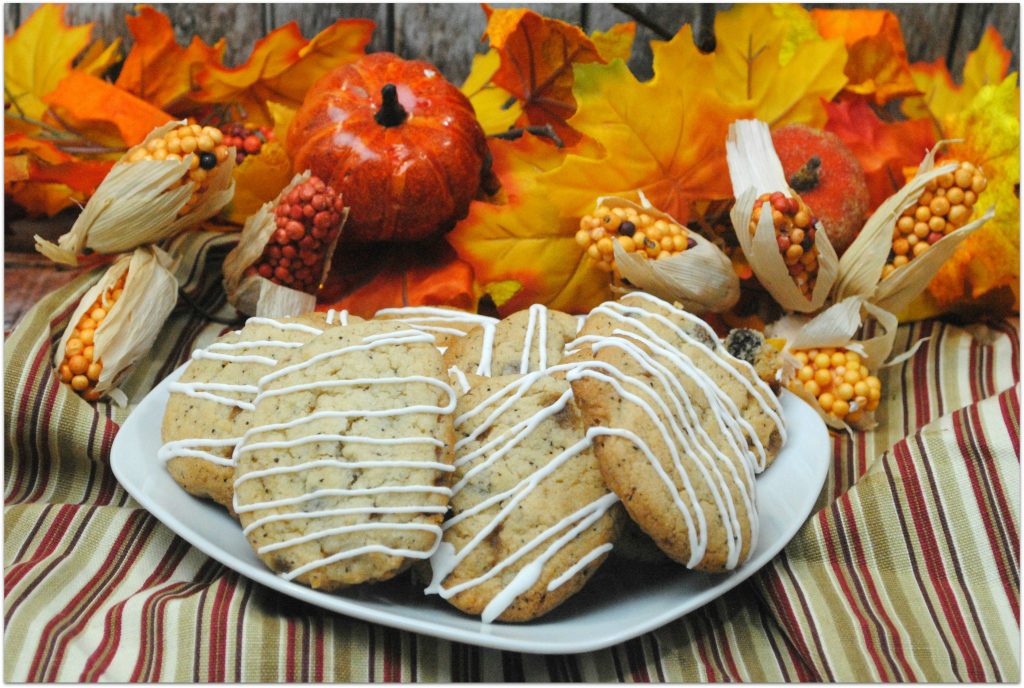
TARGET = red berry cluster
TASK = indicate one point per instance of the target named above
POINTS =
(308, 221)
(246, 141)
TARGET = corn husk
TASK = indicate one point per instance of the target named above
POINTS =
(255, 294)
(754, 168)
(134, 205)
(701, 278)
(860, 269)
(134, 320)
(841, 325)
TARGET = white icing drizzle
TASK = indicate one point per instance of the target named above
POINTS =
(538, 314)
(416, 316)
(579, 566)
(341, 315)
(370, 342)
(460, 377)
(295, 326)
(445, 559)
(203, 390)
(486, 351)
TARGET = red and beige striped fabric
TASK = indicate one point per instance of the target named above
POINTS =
(908, 571)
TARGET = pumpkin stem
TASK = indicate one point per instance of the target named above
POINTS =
(391, 112)
(807, 177)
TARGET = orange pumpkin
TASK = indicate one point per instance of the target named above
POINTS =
(400, 143)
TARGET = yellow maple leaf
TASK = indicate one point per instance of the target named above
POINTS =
(496, 109)
(99, 57)
(764, 62)
(616, 42)
(942, 99)
(38, 56)
(521, 250)
(665, 137)
(877, 64)
(283, 66)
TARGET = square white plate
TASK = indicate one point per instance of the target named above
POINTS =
(621, 602)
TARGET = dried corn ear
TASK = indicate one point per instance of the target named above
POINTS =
(831, 350)
(178, 176)
(909, 237)
(647, 249)
(116, 322)
(285, 250)
(787, 248)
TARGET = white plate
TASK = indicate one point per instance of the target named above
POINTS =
(619, 603)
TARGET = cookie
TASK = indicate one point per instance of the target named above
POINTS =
(524, 342)
(448, 325)
(682, 426)
(210, 405)
(531, 518)
(343, 476)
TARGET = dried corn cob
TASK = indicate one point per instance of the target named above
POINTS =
(308, 221)
(946, 205)
(116, 322)
(840, 382)
(794, 233)
(177, 177)
(285, 250)
(209, 151)
(635, 231)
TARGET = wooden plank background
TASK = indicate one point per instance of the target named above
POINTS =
(449, 35)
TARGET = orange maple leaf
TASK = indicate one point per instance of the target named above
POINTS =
(283, 66)
(877, 62)
(364, 279)
(521, 250)
(537, 58)
(43, 179)
(157, 69)
(883, 148)
(89, 102)
(674, 153)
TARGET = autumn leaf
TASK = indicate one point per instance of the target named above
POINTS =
(364, 279)
(665, 137)
(943, 99)
(877, 63)
(99, 57)
(751, 69)
(496, 109)
(89, 102)
(521, 250)
(283, 66)
(616, 43)
(38, 56)
(537, 58)
(157, 69)
(884, 149)
(43, 179)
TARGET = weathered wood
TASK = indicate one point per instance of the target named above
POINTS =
(313, 18)
(974, 20)
(11, 18)
(449, 35)
(242, 25)
(28, 278)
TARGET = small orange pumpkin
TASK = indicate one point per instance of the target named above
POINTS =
(400, 143)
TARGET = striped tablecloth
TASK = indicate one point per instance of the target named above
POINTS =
(908, 571)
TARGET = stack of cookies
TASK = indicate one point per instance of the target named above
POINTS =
(503, 459)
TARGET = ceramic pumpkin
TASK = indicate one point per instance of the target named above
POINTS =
(400, 143)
